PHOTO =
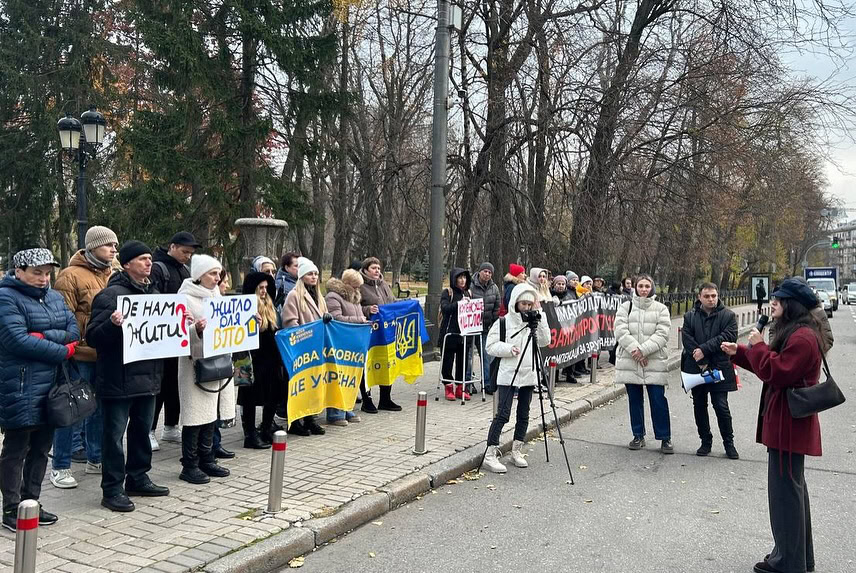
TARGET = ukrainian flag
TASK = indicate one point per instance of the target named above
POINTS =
(395, 349)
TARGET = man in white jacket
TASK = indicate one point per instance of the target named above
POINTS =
(508, 349)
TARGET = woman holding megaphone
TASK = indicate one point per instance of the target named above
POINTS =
(791, 360)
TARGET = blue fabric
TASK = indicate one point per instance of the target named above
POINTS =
(659, 410)
(28, 364)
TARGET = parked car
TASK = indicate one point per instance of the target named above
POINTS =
(826, 302)
(851, 294)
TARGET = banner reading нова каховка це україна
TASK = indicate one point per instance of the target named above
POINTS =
(580, 327)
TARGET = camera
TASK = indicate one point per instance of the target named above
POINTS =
(530, 317)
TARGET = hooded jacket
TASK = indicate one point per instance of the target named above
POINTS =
(449, 302)
(177, 272)
(113, 379)
(708, 332)
(490, 294)
(646, 328)
(78, 284)
(28, 364)
(516, 336)
(343, 302)
(543, 291)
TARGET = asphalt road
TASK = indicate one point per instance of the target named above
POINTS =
(629, 511)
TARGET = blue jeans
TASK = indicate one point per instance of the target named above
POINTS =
(659, 411)
(63, 441)
(334, 414)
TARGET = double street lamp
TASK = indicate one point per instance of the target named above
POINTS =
(81, 139)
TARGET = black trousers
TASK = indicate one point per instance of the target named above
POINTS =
(453, 354)
(168, 397)
(505, 395)
(136, 414)
(248, 418)
(23, 462)
(702, 419)
(790, 512)
(197, 444)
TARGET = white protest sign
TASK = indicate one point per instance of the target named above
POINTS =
(232, 325)
(470, 315)
(154, 326)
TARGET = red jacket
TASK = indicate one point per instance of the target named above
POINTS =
(798, 364)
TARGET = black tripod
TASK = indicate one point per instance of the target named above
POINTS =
(541, 385)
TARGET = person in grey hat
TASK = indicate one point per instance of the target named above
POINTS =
(485, 288)
(38, 332)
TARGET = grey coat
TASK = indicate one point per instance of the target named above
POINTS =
(490, 294)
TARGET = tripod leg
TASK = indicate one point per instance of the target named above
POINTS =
(537, 353)
(543, 422)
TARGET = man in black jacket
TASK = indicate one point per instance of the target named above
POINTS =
(706, 327)
(169, 269)
(127, 391)
(485, 288)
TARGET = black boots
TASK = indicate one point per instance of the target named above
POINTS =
(385, 402)
(704, 449)
(197, 456)
(731, 451)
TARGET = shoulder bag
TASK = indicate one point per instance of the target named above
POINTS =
(243, 369)
(71, 398)
(213, 369)
(803, 402)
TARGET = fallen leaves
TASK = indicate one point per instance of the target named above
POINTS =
(296, 563)
(377, 523)
(372, 554)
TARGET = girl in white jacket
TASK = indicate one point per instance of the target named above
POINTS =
(642, 330)
(523, 298)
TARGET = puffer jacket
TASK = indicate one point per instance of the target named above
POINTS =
(28, 364)
(646, 328)
(113, 378)
(170, 282)
(449, 302)
(515, 336)
(490, 294)
(78, 284)
(375, 292)
(343, 302)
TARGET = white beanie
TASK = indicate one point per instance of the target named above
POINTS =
(201, 264)
(585, 279)
(261, 260)
(305, 266)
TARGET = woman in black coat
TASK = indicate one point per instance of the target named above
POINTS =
(453, 353)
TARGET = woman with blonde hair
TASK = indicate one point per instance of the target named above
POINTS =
(539, 280)
(343, 300)
(304, 304)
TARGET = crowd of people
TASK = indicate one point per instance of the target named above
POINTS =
(77, 317)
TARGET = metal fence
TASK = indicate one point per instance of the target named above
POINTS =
(681, 302)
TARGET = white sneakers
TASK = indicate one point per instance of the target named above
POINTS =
(491, 460)
(518, 458)
(63, 479)
(154, 442)
(171, 434)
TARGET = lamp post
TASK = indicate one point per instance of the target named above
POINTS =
(91, 127)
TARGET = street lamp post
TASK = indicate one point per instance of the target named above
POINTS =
(91, 127)
(817, 244)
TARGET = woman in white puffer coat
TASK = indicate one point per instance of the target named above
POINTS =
(199, 409)
(642, 331)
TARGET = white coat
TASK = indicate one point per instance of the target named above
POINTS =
(647, 328)
(197, 406)
(515, 337)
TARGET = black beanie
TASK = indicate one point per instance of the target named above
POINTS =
(131, 250)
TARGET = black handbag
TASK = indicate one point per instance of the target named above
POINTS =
(213, 369)
(803, 402)
(71, 398)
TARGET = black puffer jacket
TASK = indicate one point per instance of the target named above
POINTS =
(114, 379)
(708, 332)
(449, 302)
(490, 294)
(167, 283)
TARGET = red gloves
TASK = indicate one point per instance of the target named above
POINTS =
(71, 348)
(38, 335)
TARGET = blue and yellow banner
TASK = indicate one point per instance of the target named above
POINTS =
(398, 332)
(325, 364)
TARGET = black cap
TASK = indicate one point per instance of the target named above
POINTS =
(185, 239)
(792, 288)
(131, 250)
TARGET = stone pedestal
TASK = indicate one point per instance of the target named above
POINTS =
(260, 237)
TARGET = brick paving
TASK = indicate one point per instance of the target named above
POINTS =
(196, 524)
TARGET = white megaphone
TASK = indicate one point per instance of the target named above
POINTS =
(690, 381)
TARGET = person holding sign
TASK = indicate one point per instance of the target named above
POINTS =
(304, 304)
(199, 407)
(38, 332)
(127, 391)
(268, 385)
(375, 292)
(343, 301)
(453, 350)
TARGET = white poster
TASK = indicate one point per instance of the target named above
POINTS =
(470, 315)
(154, 326)
(231, 325)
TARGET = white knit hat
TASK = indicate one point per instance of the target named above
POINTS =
(201, 264)
(261, 260)
(305, 266)
(585, 279)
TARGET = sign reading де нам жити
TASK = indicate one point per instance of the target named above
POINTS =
(231, 325)
(155, 326)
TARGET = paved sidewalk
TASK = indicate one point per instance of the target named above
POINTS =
(198, 524)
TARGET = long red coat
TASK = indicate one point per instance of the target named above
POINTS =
(797, 365)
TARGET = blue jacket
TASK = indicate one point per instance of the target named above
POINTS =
(28, 364)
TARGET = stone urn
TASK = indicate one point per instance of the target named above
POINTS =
(260, 236)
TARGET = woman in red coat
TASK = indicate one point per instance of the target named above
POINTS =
(792, 360)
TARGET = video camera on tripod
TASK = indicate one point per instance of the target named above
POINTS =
(531, 317)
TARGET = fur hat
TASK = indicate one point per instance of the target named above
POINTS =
(305, 266)
(131, 250)
(253, 280)
(99, 236)
(201, 264)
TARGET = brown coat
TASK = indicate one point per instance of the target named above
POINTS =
(78, 284)
(293, 315)
(375, 291)
(343, 302)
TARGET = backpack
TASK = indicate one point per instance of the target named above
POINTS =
(494, 364)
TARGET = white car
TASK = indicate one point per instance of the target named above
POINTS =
(851, 293)
(823, 296)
